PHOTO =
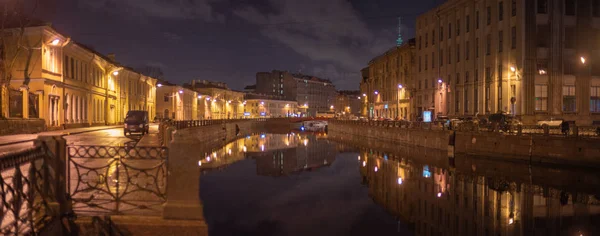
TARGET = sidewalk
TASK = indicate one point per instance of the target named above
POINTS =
(19, 138)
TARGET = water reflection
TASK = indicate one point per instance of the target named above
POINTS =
(275, 154)
(479, 201)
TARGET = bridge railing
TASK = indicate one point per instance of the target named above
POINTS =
(164, 135)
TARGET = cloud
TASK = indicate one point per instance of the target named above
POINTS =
(172, 36)
(325, 31)
(161, 9)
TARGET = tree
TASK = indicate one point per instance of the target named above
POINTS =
(15, 18)
(152, 71)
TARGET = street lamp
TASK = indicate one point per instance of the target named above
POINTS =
(364, 94)
(159, 85)
(115, 73)
(55, 42)
(376, 92)
(199, 96)
(513, 69)
(180, 91)
(582, 60)
(440, 81)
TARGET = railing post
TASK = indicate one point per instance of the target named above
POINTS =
(59, 163)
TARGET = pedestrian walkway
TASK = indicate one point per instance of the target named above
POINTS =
(17, 138)
(151, 139)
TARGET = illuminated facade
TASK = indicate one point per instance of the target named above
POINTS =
(536, 60)
(261, 106)
(387, 89)
(69, 84)
(220, 102)
(176, 102)
(348, 103)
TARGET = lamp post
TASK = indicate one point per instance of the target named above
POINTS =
(398, 101)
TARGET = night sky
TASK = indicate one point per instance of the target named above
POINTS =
(231, 40)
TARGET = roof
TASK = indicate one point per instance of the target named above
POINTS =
(250, 87)
(410, 42)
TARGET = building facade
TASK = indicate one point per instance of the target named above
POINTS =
(261, 106)
(66, 83)
(220, 102)
(177, 102)
(348, 103)
(389, 86)
(532, 59)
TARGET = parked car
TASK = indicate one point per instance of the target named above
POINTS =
(136, 122)
(503, 122)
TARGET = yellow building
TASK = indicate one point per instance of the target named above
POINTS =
(176, 102)
(66, 83)
(220, 102)
(389, 83)
(269, 108)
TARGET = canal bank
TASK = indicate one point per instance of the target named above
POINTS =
(543, 149)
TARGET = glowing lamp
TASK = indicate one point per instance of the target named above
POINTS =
(180, 91)
(439, 81)
(400, 180)
(55, 42)
(513, 69)
(399, 86)
(116, 73)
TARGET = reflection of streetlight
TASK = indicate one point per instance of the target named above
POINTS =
(364, 163)
(513, 69)
(399, 180)
(511, 218)
(439, 194)
(376, 168)
(582, 60)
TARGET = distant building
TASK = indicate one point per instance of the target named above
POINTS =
(175, 102)
(263, 106)
(390, 83)
(217, 101)
(313, 94)
(348, 103)
(250, 88)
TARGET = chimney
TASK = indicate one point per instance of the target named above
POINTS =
(111, 56)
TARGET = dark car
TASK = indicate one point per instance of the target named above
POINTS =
(136, 122)
(502, 121)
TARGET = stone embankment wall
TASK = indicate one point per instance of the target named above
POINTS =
(21, 126)
(580, 151)
(428, 137)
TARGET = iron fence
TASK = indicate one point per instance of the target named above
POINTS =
(26, 191)
(107, 180)
(182, 124)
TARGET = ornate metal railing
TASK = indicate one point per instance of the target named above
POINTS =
(105, 180)
(182, 124)
(26, 191)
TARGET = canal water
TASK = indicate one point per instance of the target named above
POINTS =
(319, 184)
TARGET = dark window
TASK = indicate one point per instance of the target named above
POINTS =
(72, 75)
(15, 101)
(500, 11)
(500, 41)
(542, 6)
(420, 39)
(433, 37)
(466, 98)
(467, 23)
(513, 8)
(419, 63)
(466, 77)
(441, 34)
(433, 60)
(543, 36)
(570, 35)
(489, 16)
(595, 99)
(441, 57)
(569, 99)
(487, 107)
(66, 66)
(457, 27)
(570, 7)
(513, 37)
(166, 97)
(476, 47)
(475, 100)
(596, 8)
(426, 40)
(426, 61)
(449, 30)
